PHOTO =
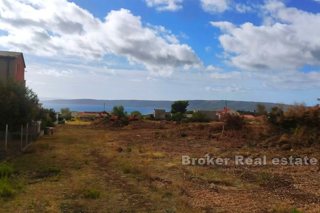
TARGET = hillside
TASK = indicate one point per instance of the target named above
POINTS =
(194, 104)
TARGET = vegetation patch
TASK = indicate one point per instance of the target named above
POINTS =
(91, 194)
(47, 172)
(6, 170)
(6, 188)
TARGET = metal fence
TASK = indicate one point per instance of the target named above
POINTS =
(13, 142)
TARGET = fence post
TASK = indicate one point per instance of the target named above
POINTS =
(27, 133)
(21, 142)
(6, 139)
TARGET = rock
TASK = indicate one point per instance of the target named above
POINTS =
(213, 187)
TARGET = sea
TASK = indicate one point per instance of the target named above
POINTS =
(95, 108)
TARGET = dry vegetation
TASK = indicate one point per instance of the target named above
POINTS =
(137, 168)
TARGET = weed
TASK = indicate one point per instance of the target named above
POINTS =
(295, 211)
(282, 209)
(6, 189)
(91, 194)
(6, 170)
(264, 178)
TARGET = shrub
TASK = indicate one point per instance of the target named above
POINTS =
(91, 194)
(136, 115)
(120, 117)
(66, 114)
(119, 111)
(179, 107)
(18, 105)
(275, 117)
(234, 122)
(199, 117)
(6, 170)
(261, 109)
(6, 188)
(47, 117)
(178, 116)
(301, 123)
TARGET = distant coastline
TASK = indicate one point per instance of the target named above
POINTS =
(147, 107)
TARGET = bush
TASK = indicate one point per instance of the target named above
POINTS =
(119, 111)
(6, 170)
(299, 122)
(275, 117)
(136, 115)
(199, 117)
(178, 116)
(6, 188)
(261, 109)
(18, 105)
(295, 116)
(120, 117)
(91, 194)
(234, 122)
(179, 107)
(48, 117)
(66, 114)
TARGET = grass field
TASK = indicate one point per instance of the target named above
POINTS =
(82, 168)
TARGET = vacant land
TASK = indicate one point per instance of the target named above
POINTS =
(82, 168)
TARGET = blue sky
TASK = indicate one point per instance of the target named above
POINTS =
(167, 49)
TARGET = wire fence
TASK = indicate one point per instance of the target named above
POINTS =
(13, 142)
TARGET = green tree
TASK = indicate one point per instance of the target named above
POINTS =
(18, 105)
(66, 113)
(276, 115)
(199, 117)
(119, 111)
(48, 117)
(136, 114)
(122, 117)
(179, 107)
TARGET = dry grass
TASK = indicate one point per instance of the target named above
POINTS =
(138, 169)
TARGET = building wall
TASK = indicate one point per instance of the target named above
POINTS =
(20, 70)
(3, 69)
(16, 69)
(159, 114)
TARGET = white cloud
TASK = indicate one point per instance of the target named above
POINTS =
(212, 68)
(215, 6)
(226, 75)
(220, 6)
(226, 89)
(61, 28)
(243, 8)
(165, 5)
(223, 25)
(294, 80)
(289, 40)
